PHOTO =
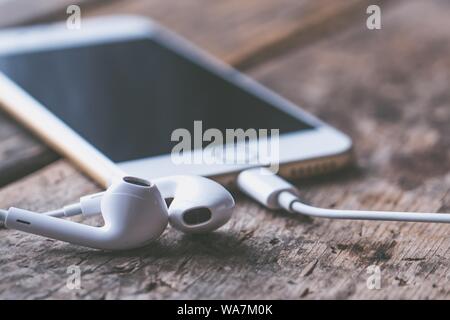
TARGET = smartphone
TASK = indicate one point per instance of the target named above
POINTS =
(112, 96)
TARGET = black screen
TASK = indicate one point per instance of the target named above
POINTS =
(126, 98)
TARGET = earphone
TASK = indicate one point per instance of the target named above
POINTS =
(134, 211)
(272, 191)
(197, 204)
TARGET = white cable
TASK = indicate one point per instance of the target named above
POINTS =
(89, 205)
(292, 203)
(3, 215)
(274, 192)
(68, 211)
(55, 213)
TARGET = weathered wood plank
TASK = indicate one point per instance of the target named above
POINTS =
(20, 152)
(250, 26)
(395, 106)
(389, 89)
(232, 30)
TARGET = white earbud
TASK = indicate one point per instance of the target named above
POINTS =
(134, 212)
(195, 204)
(198, 205)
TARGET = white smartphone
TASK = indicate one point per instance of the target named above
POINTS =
(110, 96)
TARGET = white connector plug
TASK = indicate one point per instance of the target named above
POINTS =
(264, 186)
(274, 192)
(88, 206)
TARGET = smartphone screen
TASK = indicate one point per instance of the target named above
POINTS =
(127, 97)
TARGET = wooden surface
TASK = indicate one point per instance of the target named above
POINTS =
(388, 89)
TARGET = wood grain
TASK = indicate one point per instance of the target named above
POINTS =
(389, 90)
(20, 152)
(234, 31)
(237, 31)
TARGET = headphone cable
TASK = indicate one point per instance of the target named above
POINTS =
(274, 192)
(3, 214)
